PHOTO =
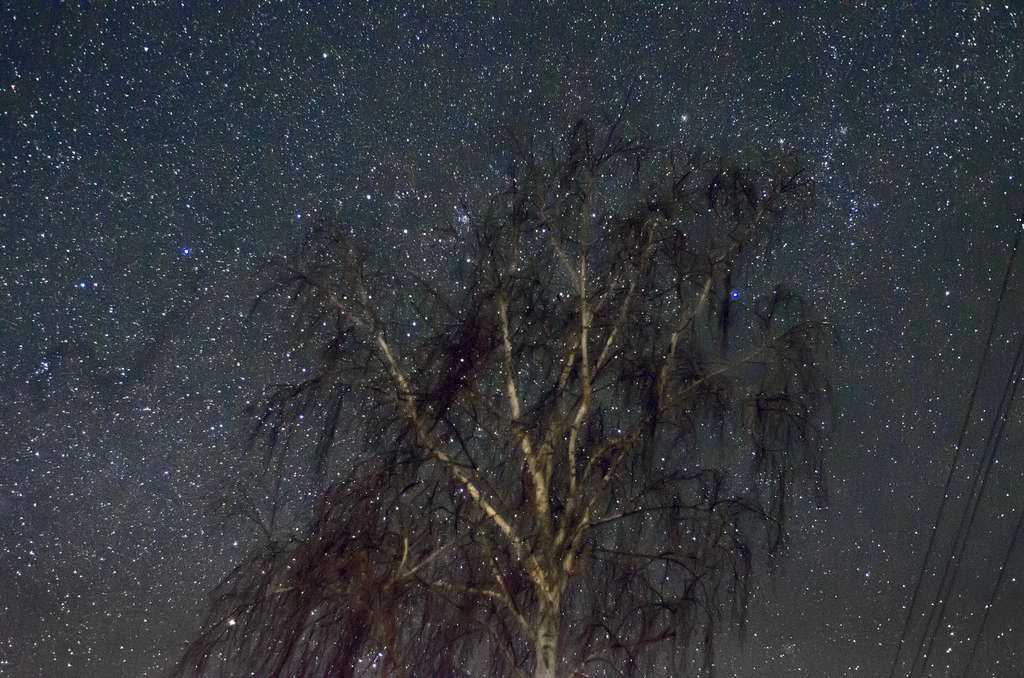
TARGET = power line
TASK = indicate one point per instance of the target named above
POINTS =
(979, 482)
(956, 457)
(951, 570)
(995, 591)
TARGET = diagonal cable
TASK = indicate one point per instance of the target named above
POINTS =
(995, 591)
(956, 458)
(952, 568)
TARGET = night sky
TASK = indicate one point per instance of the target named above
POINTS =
(153, 155)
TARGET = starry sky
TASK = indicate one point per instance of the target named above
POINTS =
(154, 154)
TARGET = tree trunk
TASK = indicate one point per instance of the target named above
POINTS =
(546, 645)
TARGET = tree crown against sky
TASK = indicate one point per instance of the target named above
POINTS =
(573, 441)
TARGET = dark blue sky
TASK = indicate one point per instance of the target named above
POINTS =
(152, 157)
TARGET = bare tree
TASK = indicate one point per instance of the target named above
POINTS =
(576, 439)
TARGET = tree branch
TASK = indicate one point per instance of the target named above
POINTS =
(540, 485)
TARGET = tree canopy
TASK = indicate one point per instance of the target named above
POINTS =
(575, 439)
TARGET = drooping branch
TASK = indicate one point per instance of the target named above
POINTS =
(572, 455)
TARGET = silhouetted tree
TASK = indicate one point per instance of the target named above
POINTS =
(577, 436)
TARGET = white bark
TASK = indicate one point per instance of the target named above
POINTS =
(546, 646)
